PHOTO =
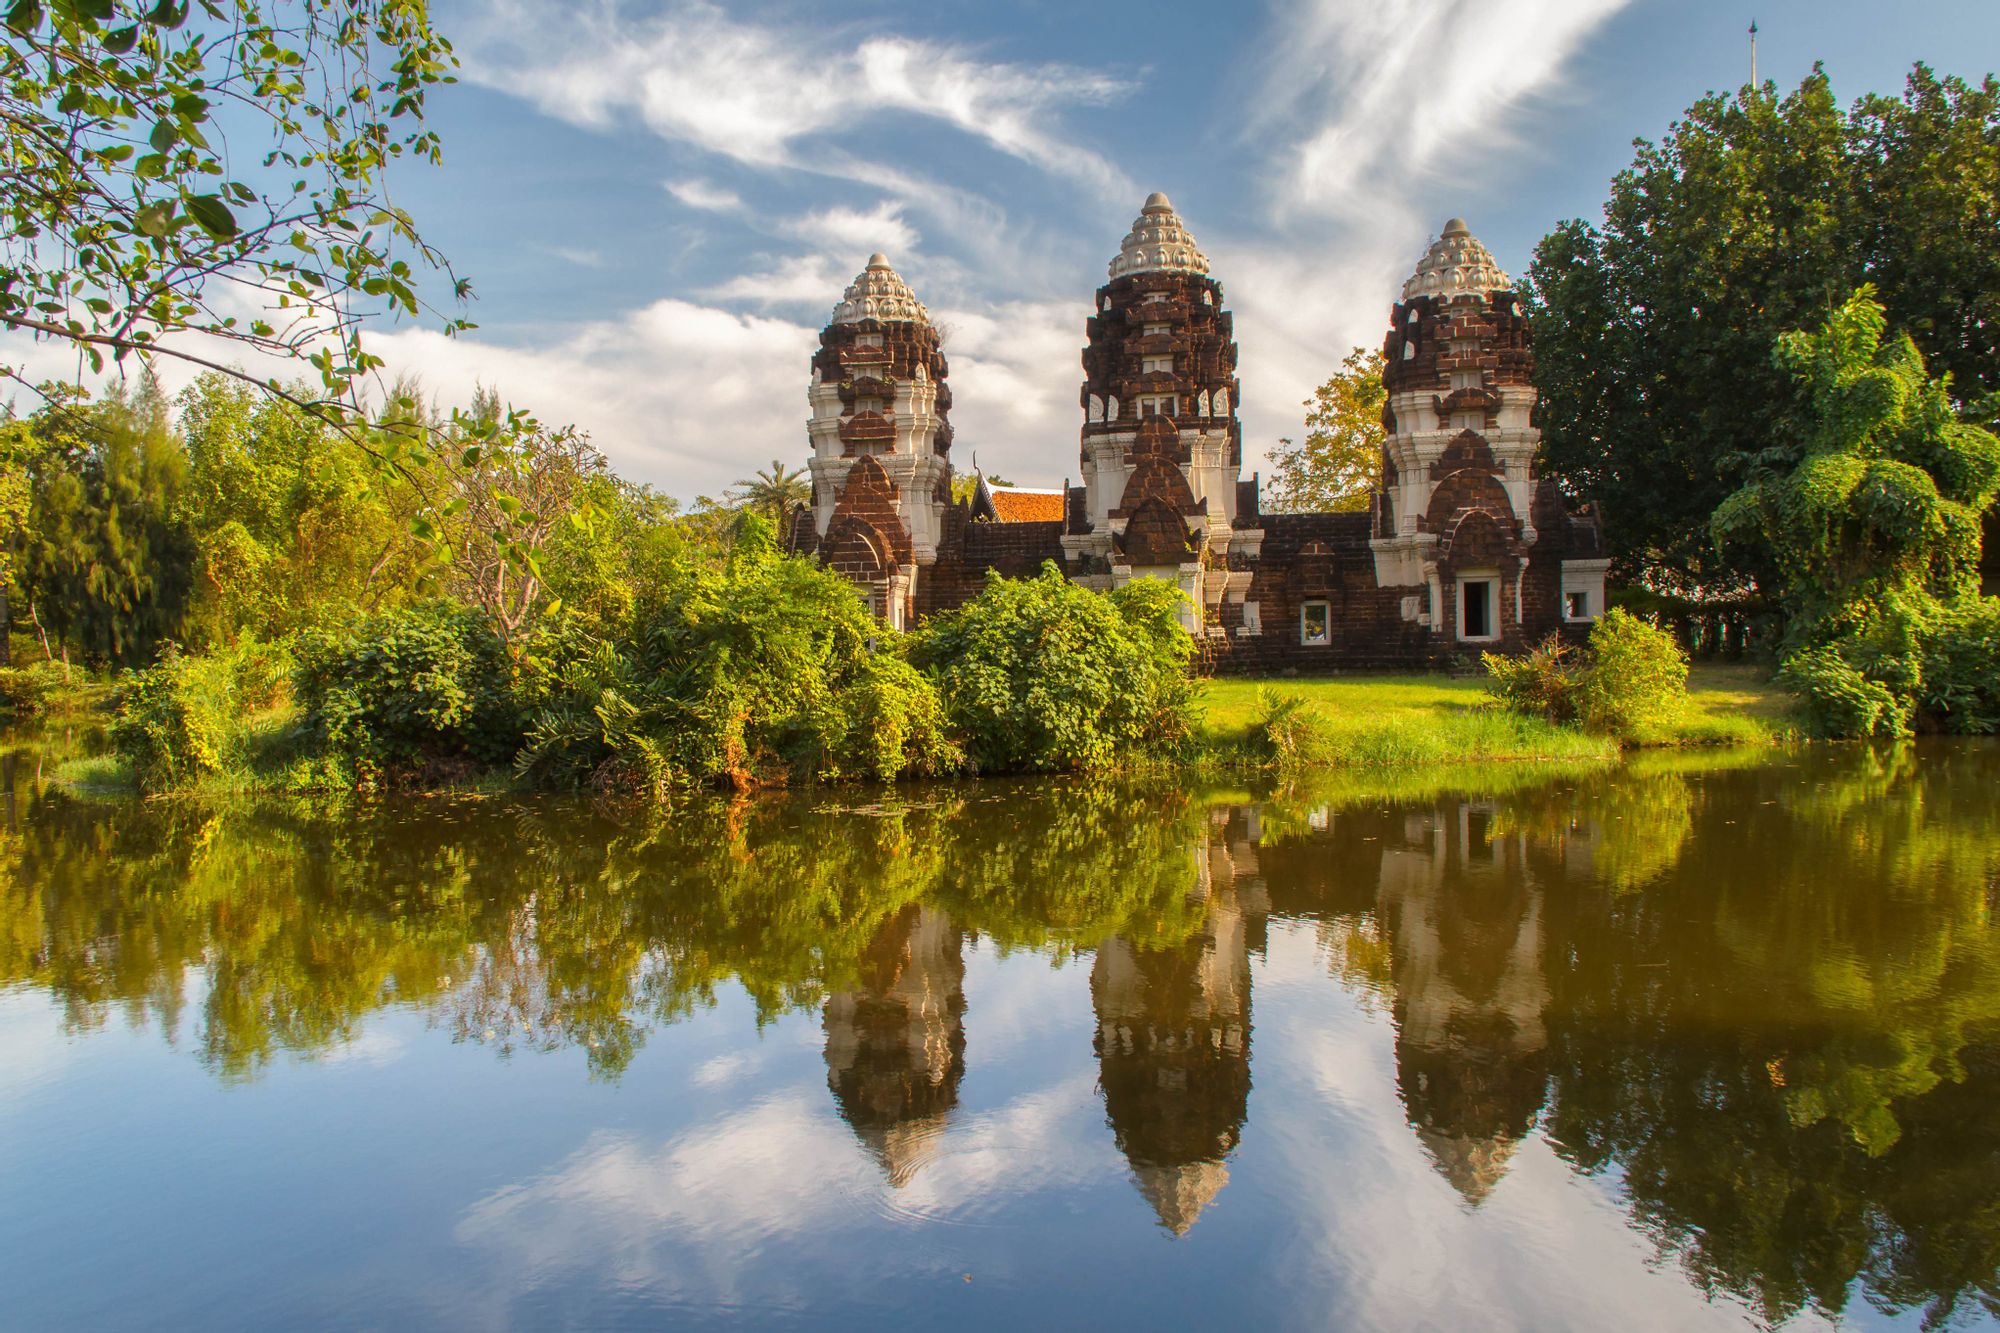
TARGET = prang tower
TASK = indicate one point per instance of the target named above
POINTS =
(1460, 514)
(1161, 445)
(881, 438)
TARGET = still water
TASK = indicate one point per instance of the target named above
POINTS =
(1702, 1042)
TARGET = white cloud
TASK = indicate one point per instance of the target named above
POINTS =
(1365, 98)
(1359, 112)
(759, 94)
(705, 195)
(813, 281)
(686, 396)
(849, 230)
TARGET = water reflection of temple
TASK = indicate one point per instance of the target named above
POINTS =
(1464, 917)
(1173, 1037)
(895, 1044)
(1441, 915)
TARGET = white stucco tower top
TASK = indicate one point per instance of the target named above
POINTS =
(879, 293)
(1456, 264)
(1158, 243)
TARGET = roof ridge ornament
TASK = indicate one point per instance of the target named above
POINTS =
(1158, 242)
(879, 293)
(1456, 263)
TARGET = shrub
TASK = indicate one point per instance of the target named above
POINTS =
(1961, 668)
(175, 719)
(1546, 682)
(769, 670)
(1296, 733)
(1042, 675)
(1632, 678)
(1840, 700)
(27, 691)
(1637, 677)
(410, 694)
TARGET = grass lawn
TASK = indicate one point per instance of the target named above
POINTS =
(1442, 719)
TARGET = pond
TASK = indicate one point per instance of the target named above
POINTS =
(1700, 1041)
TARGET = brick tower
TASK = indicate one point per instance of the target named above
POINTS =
(881, 438)
(1459, 517)
(1161, 445)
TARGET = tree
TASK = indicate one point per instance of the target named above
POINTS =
(133, 222)
(1755, 215)
(1340, 461)
(109, 562)
(1871, 522)
(514, 484)
(775, 492)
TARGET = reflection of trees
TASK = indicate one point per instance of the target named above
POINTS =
(1754, 1041)
(546, 925)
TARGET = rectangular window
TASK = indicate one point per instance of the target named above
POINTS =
(1475, 609)
(1578, 605)
(1156, 405)
(1152, 330)
(1253, 619)
(1315, 623)
(867, 340)
(1162, 364)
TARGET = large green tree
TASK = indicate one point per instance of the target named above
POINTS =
(109, 561)
(1870, 522)
(1755, 215)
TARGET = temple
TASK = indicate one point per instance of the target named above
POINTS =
(1463, 547)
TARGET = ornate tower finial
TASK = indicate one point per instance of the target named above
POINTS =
(1456, 263)
(1158, 243)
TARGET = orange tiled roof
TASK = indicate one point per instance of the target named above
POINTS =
(1012, 506)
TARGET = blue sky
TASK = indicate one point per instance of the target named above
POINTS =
(659, 203)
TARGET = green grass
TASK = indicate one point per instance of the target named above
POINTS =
(1415, 720)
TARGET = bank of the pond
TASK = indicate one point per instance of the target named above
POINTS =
(1433, 719)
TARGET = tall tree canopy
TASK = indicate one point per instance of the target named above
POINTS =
(1340, 459)
(1756, 215)
(1870, 522)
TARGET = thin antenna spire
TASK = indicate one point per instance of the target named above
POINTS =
(1753, 55)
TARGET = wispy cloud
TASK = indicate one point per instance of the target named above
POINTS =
(758, 93)
(815, 281)
(848, 229)
(1359, 98)
(704, 195)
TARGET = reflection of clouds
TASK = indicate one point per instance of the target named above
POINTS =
(685, 1219)
(372, 1047)
(696, 1218)
(33, 1050)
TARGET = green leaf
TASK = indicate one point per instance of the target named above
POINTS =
(121, 40)
(164, 136)
(213, 215)
(72, 101)
(155, 219)
(24, 16)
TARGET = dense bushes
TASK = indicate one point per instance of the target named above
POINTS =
(1630, 682)
(415, 694)
(1042, 675)
(183, 719)
(766, 670)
